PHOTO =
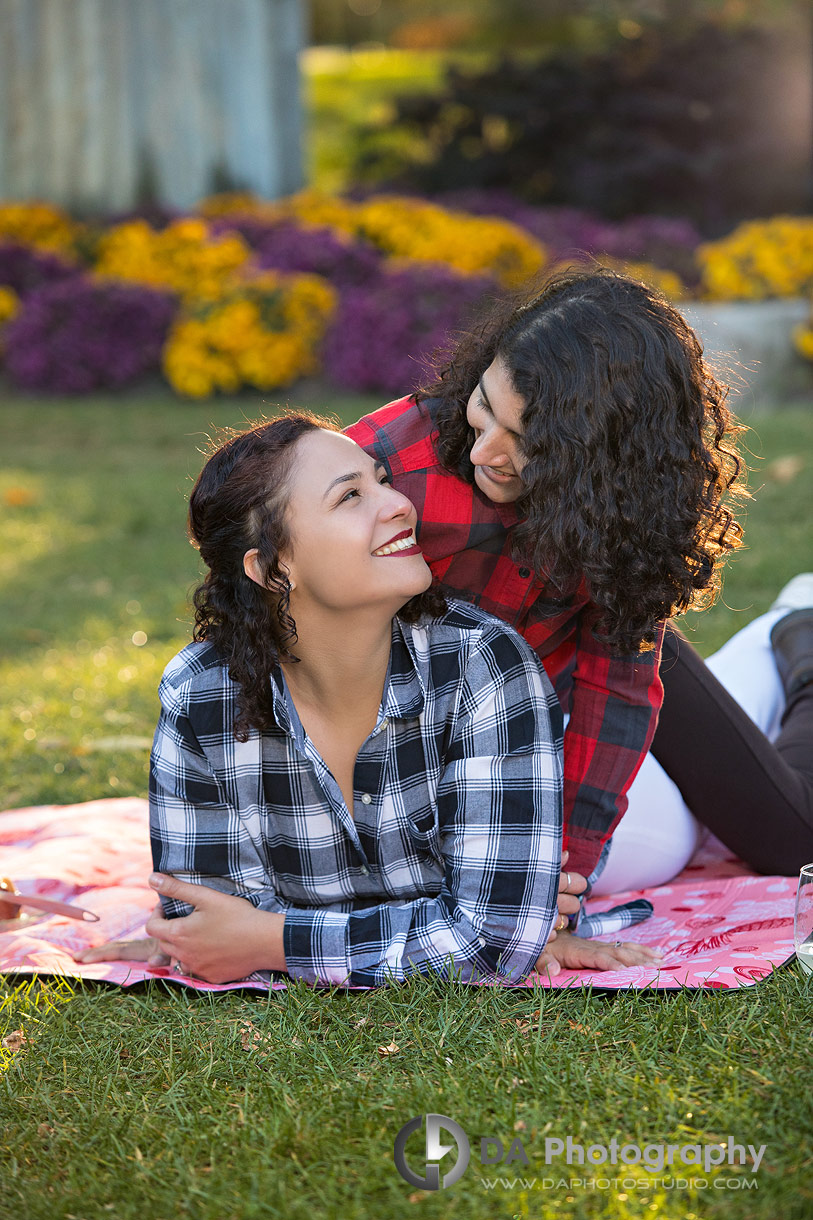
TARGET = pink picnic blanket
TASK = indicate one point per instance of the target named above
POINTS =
(717, 924)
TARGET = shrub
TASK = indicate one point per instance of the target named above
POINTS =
(185, 257)
(24, 268)
(84, 334)
(764, 258)
(38, 224)
(696, 127)
(265, 333)
(406, 227)
(665, 242)
(383, 333)
(285, 245)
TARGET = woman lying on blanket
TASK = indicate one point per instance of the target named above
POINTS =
(351, 779)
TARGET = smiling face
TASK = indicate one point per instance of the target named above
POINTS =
(352, 539)
(494, 411)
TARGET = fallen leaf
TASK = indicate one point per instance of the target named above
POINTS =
(18, 497)
(392, 1049)
(15, 1040)
(43, 1130)
(251, 1038)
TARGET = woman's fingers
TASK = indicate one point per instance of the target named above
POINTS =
(633, 954)
(571, 883)
(568, 904)
(120, 951)
(570, 886)
(577, 953)
(546, 964)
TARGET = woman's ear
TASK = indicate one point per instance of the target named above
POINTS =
(253, 570)
(251, 567)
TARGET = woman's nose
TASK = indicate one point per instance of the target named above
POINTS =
(396, 504)
(485, 451)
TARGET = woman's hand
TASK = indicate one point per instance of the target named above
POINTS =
(569, 952)
(570, 886)
(225, 938)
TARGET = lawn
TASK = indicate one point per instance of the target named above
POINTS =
(167, 1104)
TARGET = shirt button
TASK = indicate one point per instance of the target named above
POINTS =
(366, 799)
(482, 942)
(525, 573)
(384, 723)
(365, 870)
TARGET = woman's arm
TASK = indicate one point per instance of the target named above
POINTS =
(205, 793)
(613, 715)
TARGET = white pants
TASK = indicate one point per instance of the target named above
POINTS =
(658, 836)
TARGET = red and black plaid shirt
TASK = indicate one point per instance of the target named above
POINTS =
(613, 702)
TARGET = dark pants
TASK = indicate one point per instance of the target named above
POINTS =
(755, 795)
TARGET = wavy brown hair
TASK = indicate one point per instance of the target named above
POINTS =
(240, 502)
(630, 447)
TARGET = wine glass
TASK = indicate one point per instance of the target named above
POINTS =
(803, 919)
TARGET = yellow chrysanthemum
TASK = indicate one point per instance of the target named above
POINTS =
(266, 333)
(760, 259)
(472, 245)
(9, 304)
(185, 258)
(40, 225)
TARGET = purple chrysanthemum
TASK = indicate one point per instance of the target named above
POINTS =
(81, 334)
(384, 332)
(24, 269)
(287, 246)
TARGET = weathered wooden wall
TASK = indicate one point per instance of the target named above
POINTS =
(105, 104)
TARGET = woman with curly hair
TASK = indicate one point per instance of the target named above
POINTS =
(570, 465)
(352, 780)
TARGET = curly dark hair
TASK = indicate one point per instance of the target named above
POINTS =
(239, 502)
(630, 447)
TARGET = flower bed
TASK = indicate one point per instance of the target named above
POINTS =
(84, 334)
(255, 294)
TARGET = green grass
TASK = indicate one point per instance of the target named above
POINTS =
(162, 1103)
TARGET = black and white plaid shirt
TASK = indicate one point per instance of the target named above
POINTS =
(450, 860)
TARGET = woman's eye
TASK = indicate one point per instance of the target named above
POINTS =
(349, 494)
